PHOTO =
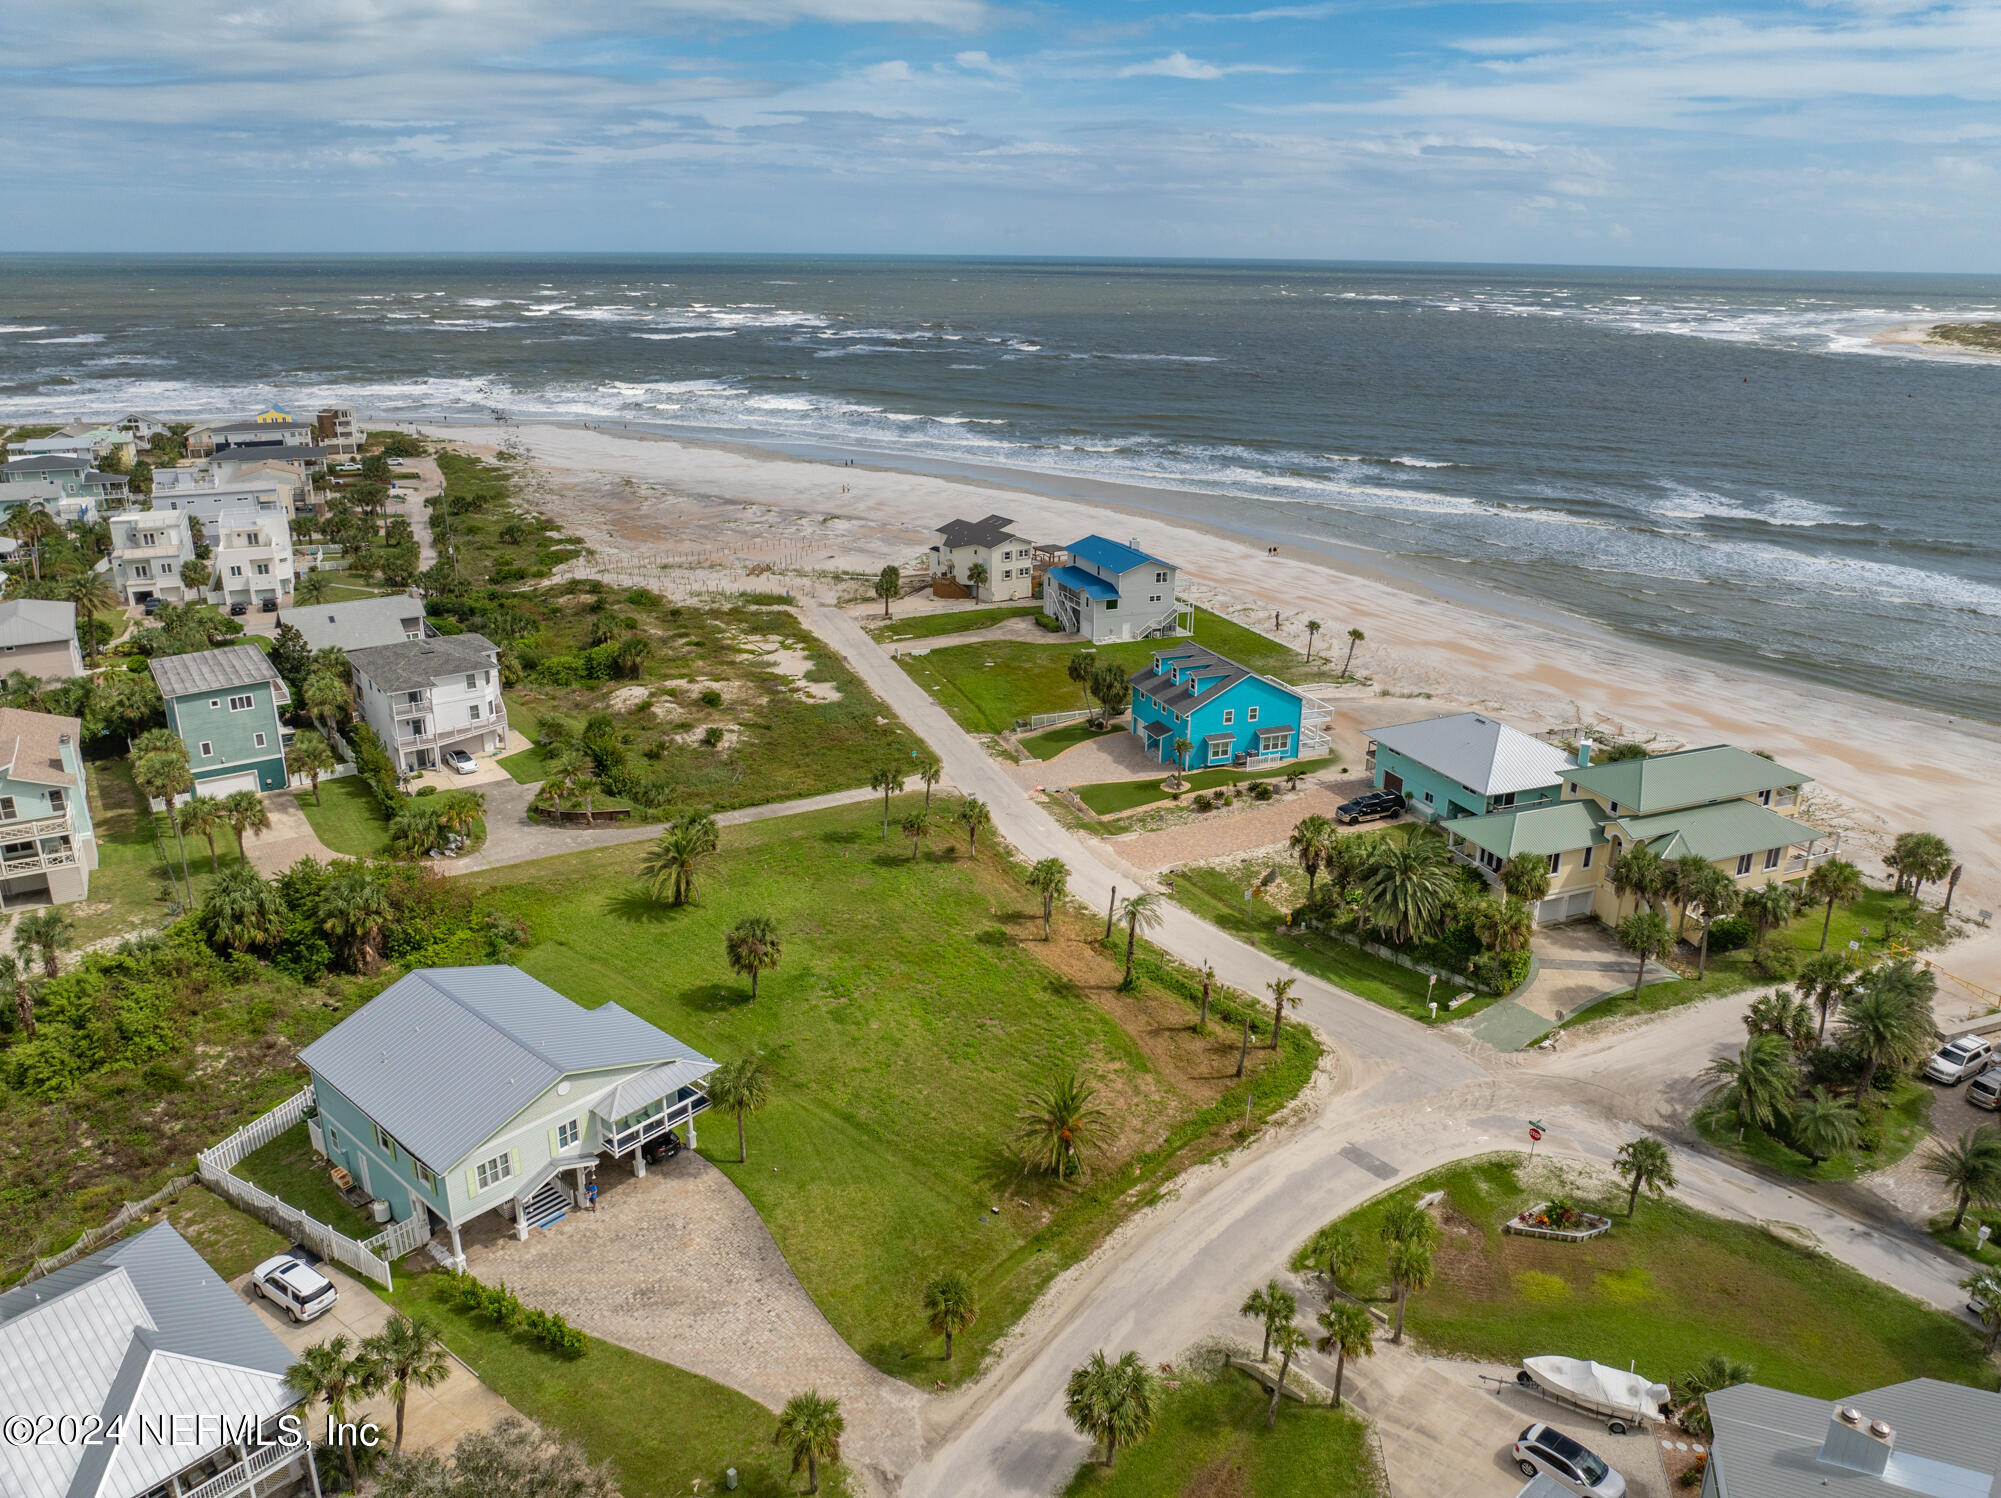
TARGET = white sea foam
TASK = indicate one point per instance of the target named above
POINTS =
(25, 327)
(697, 333)
(71, 338)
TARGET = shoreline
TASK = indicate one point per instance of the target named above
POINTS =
(650, 503)
(1916, 336)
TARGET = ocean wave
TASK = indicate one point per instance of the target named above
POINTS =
(25, 327)
(696, 333)
(70, 338)
(1684, 502)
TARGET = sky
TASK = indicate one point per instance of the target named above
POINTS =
(1831, 134)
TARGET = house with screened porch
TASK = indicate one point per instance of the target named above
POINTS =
(461, 1091)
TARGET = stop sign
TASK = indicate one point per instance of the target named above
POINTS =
(1535, 1134)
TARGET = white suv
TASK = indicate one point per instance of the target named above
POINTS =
(295, 1287)
(1959, 1059)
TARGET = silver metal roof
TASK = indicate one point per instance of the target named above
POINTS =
(649, 1086)
(358, 623)
(445, 1057)
(1483, 754)
(1947, 1442)
(214, 671)
(413, 665)
(36, 621)
(140, 1329)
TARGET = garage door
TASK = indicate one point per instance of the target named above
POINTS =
(1570, 906)
(222, 785)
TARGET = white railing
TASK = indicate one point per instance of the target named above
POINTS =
(1050, 720)
(400, 1238)
(239, 1477)
(30, 863)
(39, 827)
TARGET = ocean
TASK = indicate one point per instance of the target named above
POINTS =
(1726, 464)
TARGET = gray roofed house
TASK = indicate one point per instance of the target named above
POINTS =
(433, 699)
(141, 1332)
(38, 637)
(1923, 1437)
(988, 532)
(1007, 560)
(1478, 754)
(224, 706)
(460, 1091)
(214, 671)
(359, 623)
(407, 665)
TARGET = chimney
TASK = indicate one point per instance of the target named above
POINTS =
(1584, 751)
(1856, 1445)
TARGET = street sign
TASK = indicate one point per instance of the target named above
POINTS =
(1535, 1133)
(1855, 946)
(1535, 1137)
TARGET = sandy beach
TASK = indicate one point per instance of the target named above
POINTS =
(1918, 336)
(682, 516)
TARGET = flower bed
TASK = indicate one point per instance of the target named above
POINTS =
(1557, 1219)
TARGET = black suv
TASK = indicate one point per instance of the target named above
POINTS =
(1374, 806)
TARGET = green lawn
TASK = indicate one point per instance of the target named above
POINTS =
(1661, 1291)
(912, 1014)
(130, 889)
(527, 766)
(233, 1242)
(1217, 898)
(1069, 736)
(1108, 798)
(930, 626)
(288, 1170)
(1966, 1240)
(1211, 1442)
(989, 687)
(348, 819)
(1906, 1123)
(661, 1428)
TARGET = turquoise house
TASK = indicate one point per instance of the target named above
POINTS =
(465, 1090)
(1465, 765)
(224, 706)
(1228, 715)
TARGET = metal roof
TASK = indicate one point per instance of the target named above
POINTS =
(1083, 582)
(1483, 754)
(414, 665)
(1687, 777)
(214, 671)
(1767, 1442)
(141, 1329)
(989, 532)
(444, 1057)
(651, 1085)
(1558, 827)
(36, 621)
(357, 624)
(1725, 829)
(46, 463)
(1100, 552)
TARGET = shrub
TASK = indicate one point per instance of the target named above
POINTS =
(1262, 791)
(712, 735)
(1730, 934)
(712, 698)
(1774, 957)
(503, 1307)
(1050, 623)
(1499, 972)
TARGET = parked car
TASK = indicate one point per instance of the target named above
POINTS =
(268, 606)
(1371, 806)
(238, 609)
(460, 761)
(1986, 1090)
(152, 605)
(1544, 1450)
(666, 1147)
(1957, 1060)
(295, 1287)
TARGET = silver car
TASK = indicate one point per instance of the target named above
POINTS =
(461, 762)
(1986, 1090)
(1542, 1450)
(1959, 1059)
(295, 1287)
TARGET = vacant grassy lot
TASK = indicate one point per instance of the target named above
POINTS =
(914, 1011)
(130, 889)
(987, 688)
(286, 1168)
(1211, 1441)
(1109, 798)
(931, 626)
(348, 818)
(1906, 1122)
(1661, 1291)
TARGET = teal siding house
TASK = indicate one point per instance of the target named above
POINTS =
(47, 844)
(1465, 765)
(1227, 714)
(465, 1090)
(224, 706)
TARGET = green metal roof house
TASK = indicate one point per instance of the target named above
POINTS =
(224, 705)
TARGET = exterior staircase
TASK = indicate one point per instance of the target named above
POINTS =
(546, 1207)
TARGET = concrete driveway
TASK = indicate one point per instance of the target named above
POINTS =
(486, 770)
(1578, 962)
(289, 838)
(1112, 756)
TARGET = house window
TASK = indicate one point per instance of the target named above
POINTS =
(413, 698)
(425, 1178)
(263, 569)
(333, 1137)
(1615, 808)
(260, 740)
(387, 1143)
(472, 680)
(1160, 577)
(1772, 857)
(1585, 862)
(236, 572)
(56, 802)
(1111, 603)
(493, 1172)
(1556, 862)
(1743, 865)
(1506, 798)
(240, 704)
(1427, 798)
(214, 702)
(413, 728)
(567, 1134)
(140, 571)
(7, 812)
(1490, 860)
(1765, 799)
(475, 712)
(166, 569)
(206, 748)
(1250, 715)
(1229, 716)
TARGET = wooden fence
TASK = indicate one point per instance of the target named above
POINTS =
(97, 1237)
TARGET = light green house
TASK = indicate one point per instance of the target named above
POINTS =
(224, 706)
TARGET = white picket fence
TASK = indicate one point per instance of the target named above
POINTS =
(216, 1167)
(1050, 720)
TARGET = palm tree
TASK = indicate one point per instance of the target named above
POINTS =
(1079, 668)
(1984, 1291)
(949, 1307)
(1273, 1305)
(1181, 748)
(670, 866)
(1685, 879)
(1336, 1249)
(1970, 1166)
(751, 947)
(247, 813)
(1290, 1341)
(1780, 1013)
(326, 1371)
(31, 527)
(1714, 896)
(1823, 1125)
(309, 755)
(310, 589)
(1694, 1387)
(328, 698)
(1770, 905)
(1919, 858)
(1638, 871)
(414, 829)
(1525, 877)
(741, 1087)
(976, 577)
(1837, 882)
(1410, 1269)
(975, 818)
(1060, 1126)
(1311, 837)
(1140, 912)
(1758, 1086)
(1355, 637)
(914, 825)
(1114, 1404)
(410, 1354)
(459, 810)
(930, 770)
(93, 594)
(1282, 997)
(1645, 1163)
(14, 979)
(1408, 887)
(1889, 1021)
(353, 910)
(888, 779)
(1313, 628)
(165, 776)
(1049, 878)
(1504, 925)
(1647, 935)
(811, 1425)
(888, 585)
(1350, 1334)
(45, 932)
(241, 910)
(1823, 982)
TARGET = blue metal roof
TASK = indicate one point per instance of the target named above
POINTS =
(1111, 555)
(1083, 582)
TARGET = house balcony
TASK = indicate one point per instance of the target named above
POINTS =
(245, 1477)
(638, 1130)
(31, 846)
(125, 554)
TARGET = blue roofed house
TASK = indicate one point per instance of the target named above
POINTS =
(1107, 592)
(185, 1383)
(461, 1091)
(1227, 714)
(1464, 765)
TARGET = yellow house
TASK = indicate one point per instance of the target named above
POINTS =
(1723, 804)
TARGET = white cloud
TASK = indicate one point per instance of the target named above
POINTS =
(1181, 65)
